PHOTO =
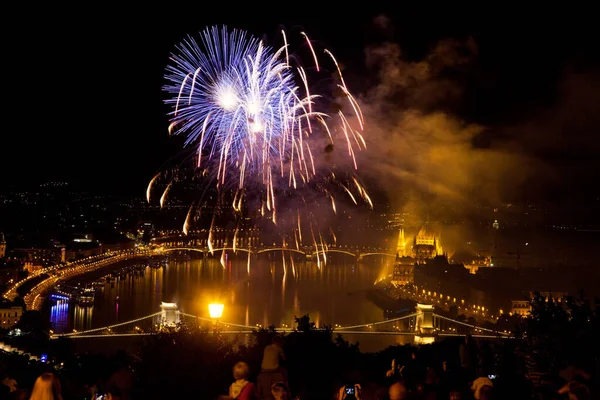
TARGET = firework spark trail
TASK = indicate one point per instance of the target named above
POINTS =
(285, 44)
(235, 238)
(323, 249)
(337, 66)
(299, 227)
(149, 189)
(186, 224)
(296, 239)
(354, 105)
(312, 232)
(333, 204)
(349, 193)
(333, 235)
(363, 192)
(320, 119)
(164, 195)
(250, 115)
(311, 50)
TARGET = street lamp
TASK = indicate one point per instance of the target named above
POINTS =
(215, 310)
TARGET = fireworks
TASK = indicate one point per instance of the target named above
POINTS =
(251, 117)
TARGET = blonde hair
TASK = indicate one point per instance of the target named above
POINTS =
(47, 387)
(240, 371)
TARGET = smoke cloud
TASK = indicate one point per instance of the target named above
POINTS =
(419, 145)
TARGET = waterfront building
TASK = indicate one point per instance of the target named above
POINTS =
(9, 316)
(2, 246)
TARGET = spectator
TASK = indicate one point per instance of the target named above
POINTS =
(271, 370)
(576, 390)
(273, 354)
(398, 391)
(394, 374)
(469, 357)
(350, 392)
(280, 391)
(46, 387)
(486, 393)
(113, 393)
(479, 384)
(10, 382)
(241, 389)
(122, 378)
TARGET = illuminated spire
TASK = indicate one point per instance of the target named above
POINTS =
(401, 247)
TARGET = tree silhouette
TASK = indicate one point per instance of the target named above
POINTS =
(303, 324)
(33, 321)
(560, 333)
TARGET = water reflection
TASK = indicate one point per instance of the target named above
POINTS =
(59, 316)
(82, 317)
(269, 295)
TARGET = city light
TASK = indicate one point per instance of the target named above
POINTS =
(215, 310)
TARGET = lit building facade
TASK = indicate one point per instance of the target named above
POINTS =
(426, 245)
(404, 271)
(35, 258)
(10, 316)
(2, 246)
(523, 307)
(520, 307)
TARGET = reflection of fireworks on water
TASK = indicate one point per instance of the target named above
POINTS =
(253, 121)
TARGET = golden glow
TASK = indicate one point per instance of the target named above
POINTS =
(215, 310)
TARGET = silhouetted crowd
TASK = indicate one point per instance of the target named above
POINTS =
(448, 370)
(419, 375)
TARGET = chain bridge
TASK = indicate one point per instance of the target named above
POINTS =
(424, 325)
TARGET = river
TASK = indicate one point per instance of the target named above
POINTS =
(268, 295)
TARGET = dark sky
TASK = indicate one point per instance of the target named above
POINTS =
(83, 100)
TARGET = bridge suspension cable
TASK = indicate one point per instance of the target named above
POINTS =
(211, 320)
(378, 322)
(469, 325)
(108, 327)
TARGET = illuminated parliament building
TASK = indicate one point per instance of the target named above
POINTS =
(425, 246)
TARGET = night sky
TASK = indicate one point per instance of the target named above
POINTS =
(83, 89)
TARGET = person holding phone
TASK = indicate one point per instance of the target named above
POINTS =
(349, 392)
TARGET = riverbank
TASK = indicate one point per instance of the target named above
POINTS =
(390, 305)
(35, 298)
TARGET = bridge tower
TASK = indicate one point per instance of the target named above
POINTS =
(169, 314)
(424, 326)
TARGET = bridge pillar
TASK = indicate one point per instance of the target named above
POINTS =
(169, 316)
(424, 322)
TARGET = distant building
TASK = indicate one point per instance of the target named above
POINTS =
(9, 316)
(401, 246)
(2, 245)
(80, 249)
(404, 271)
(523, 307)
(520, 307)
(426, 245)
(125, 244)
(39, 257)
